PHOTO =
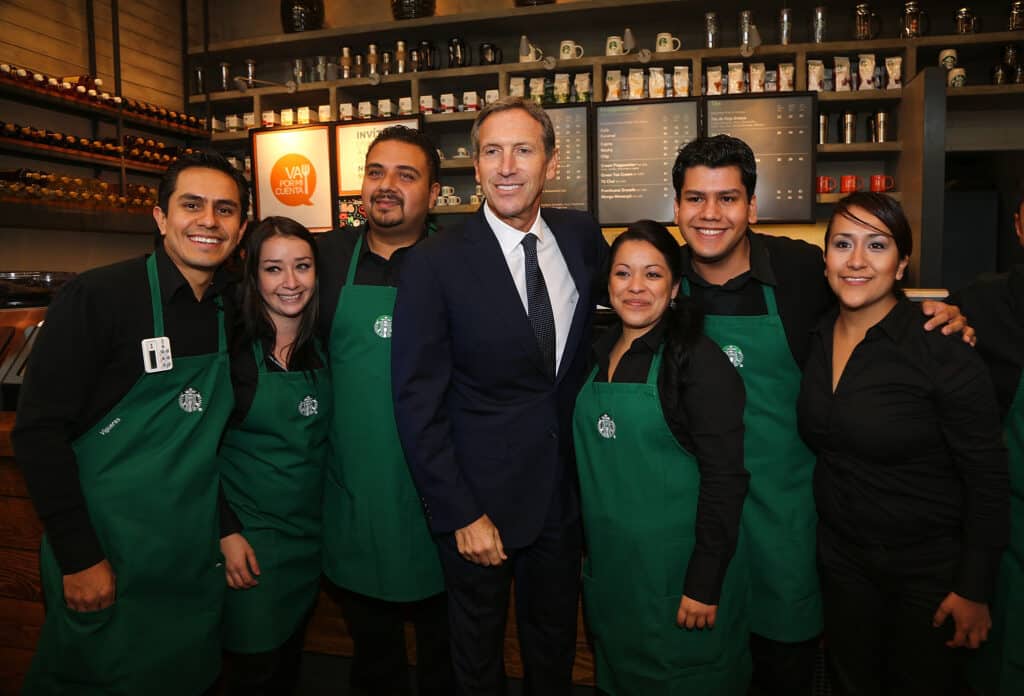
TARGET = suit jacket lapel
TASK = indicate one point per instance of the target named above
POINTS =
(494, 281)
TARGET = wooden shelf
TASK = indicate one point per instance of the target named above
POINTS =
(509, 20)
(63, 154)
(230, 136)
(457, 164)
(47, 98)
(455, 209)
(983, 92)
(830, 198)
(466, 116)
(860, 96)
(45, 217)
(980, 39)
(860, 148)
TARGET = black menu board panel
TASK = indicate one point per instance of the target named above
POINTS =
(570, 187)
(780, 131)
(637, 144)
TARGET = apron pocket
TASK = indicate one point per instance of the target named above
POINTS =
(685, 648)
(90, 648)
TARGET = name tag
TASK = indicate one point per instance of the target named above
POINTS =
(156, 354)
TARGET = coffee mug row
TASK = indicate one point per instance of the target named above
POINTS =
(848, 183)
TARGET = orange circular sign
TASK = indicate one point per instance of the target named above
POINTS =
(293, 180)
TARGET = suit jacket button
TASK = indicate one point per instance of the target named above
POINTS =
(552, 434)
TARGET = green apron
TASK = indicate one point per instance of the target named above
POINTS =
(272, 469)
(148, 471)
(997, 669)
(779, 517)
(376, 538)
(639, 489)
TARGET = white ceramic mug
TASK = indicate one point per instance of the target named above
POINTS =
(442, 201)
(532, 56)
(461, 152)
(665, 42)
(947, 58)
(474, 199)
(957, 77)
(613, 46)
(454, 200)
(447, 190)
(569, 49)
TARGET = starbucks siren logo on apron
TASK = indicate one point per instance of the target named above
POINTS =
(734, 354)
(382, 326)
(606, 427)
(309, 406)
(190, 401)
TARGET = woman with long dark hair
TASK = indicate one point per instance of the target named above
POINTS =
(658, 430)
(911, 481)
(272, 459)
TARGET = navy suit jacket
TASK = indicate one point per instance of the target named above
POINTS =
(485, 429)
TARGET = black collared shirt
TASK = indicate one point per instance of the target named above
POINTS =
(86, 359)
(336, 248)
(994, 306)
(708, 422)
(796, 272)
(909, 447)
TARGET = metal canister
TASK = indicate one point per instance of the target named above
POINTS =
(822, 129)
(357, 65)
(225, 76)
(785, 25)
(1018, 75)
(400, 57)
(414, 60)
(819, 24)
(372, 59)
(1017, 16)
(999, 75)
(849, 127)
(710, 30)
(881, 130)
(1010, 55)
(966, 21)
(250, 72)
(746, 22)
(346, 62)
(198, 81)
(385, 63)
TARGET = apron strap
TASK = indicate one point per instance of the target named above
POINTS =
(652, 371)
(350, 278)
(769, 300)
(154, 296)
(257, 352)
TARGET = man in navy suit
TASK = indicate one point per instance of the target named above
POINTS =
(490, 343)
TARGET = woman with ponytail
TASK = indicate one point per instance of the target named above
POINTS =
(658, 430)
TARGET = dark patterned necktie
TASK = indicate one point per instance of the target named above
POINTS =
(539, 304)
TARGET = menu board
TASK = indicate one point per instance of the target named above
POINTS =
(780, 131)
(570, 187)
(353, 140)
(637, 145)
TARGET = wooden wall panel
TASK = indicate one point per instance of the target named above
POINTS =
(51, 36)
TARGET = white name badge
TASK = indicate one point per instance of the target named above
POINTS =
(156, 354)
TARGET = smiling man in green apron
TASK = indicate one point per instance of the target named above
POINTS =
(995, 304)
(762, 296)
(377, 546)
(125, 399)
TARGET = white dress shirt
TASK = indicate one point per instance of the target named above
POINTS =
(562, 290)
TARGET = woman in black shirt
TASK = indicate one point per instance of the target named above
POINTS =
(911, 481)
(272, 459)
(659, 440)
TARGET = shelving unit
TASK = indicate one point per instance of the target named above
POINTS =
(51, 217)
(63, 154)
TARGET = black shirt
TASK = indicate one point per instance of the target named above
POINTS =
(87, 358)
(708, 422)
(909, 447)
(994, 306)
(796, 272)
(336, 248)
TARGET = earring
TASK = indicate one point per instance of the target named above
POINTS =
(672, 303)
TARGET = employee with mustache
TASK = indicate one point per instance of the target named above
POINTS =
(377, 546)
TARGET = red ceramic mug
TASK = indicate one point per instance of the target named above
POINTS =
(848, 183)
(826, 184)
(882, 182)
